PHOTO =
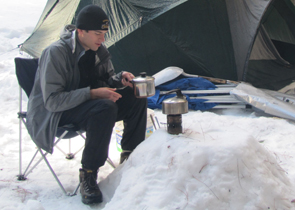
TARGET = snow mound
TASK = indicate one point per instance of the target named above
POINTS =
(189, 171)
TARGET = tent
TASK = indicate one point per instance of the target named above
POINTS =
(240, 40)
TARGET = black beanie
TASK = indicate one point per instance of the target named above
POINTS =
(92, 17)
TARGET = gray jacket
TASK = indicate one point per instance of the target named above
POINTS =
(56, 85)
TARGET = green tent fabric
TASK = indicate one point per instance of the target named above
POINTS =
(241, 40)
(272, 59)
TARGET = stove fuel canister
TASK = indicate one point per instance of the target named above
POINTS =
(174, 107)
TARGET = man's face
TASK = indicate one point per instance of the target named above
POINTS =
(91, 39)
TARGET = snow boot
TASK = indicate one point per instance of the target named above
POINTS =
(89, 189)
(124, 155)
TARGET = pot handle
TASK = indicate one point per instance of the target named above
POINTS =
(178, 92)
(129, 81)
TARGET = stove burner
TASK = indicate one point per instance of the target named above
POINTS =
(174, 124)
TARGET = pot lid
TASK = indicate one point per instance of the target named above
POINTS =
(143, 78)
(175, 100)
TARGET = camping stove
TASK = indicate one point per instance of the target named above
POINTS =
(174, 124)
(174, 107)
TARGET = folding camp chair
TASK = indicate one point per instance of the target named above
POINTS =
(25, 71)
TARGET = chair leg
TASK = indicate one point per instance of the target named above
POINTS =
(20, 176)
(26, 172)
(78, 151)
(111, 162)
(23, 176)
(56, 178)
(50, 168)
(76, 190)
(57, 147)
(70, 155)
(52, 171)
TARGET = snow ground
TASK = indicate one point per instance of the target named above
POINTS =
(225, 159)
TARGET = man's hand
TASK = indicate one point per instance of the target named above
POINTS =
(127, 78)
(105, 93)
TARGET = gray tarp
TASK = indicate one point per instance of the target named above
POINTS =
(265, 100)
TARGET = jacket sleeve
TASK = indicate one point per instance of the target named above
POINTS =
(56, 79)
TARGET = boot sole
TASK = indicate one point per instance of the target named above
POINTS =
(91, 200)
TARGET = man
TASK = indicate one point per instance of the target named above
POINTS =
(75, 84)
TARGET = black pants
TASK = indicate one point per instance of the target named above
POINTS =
(98, 117)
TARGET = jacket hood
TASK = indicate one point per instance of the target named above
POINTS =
(68, 35)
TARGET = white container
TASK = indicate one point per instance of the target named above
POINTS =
(119, 128)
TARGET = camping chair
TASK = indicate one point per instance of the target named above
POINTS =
(25, 71)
